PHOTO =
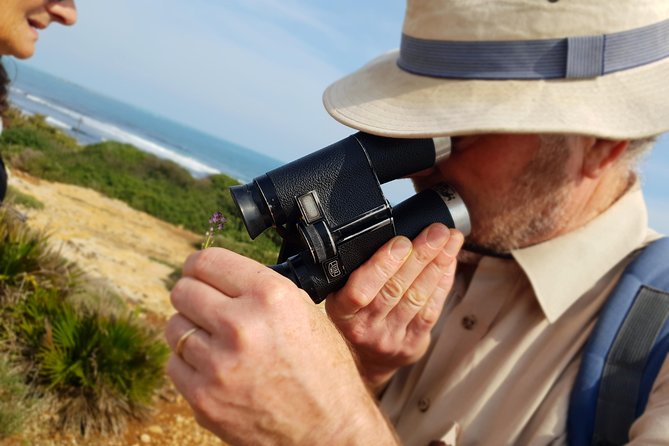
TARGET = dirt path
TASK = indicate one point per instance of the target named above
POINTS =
(135, 254)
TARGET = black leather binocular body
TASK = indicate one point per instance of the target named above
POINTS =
(331, 212)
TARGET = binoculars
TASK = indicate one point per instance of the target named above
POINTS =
(330, 210)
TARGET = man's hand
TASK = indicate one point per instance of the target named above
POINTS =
(265, 365)
(389, 305)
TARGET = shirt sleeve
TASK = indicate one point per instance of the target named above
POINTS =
(652, 427)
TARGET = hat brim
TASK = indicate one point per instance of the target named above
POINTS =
(382, 99)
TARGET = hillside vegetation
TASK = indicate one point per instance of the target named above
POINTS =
(69, 346)
(147, 183)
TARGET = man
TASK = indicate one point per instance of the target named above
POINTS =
(550, 104)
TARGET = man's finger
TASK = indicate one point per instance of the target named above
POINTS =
(195, 345)
(423, 288)
(199, 302)
(428, 316)
(402, 285)
(182, 375)
(225, 270)
(365, 282)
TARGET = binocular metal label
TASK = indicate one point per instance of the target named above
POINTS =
(332, 270)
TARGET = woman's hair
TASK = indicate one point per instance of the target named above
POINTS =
(4, 85)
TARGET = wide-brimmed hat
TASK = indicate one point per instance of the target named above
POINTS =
(595, 67)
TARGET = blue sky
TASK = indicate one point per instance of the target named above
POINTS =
(250, 71)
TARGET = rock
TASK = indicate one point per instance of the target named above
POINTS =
(145, 438)
(155, 429)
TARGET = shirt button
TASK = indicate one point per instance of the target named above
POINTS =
(424, 404)
(469, 321)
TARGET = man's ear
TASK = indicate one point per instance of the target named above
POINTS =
(601, 155)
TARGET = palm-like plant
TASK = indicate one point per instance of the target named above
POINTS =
(103, 368)
(27, 260)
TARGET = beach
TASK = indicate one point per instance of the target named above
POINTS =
(135, 254)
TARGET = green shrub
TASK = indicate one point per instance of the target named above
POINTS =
(104, 369)
(27, 137)
(26, 260)
(262, 249)
(33, 131)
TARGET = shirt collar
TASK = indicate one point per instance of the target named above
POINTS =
(562, 269)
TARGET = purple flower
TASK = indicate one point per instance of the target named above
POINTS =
(217, 221)
(217, 218)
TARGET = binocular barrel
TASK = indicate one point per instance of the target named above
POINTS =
(362, 161)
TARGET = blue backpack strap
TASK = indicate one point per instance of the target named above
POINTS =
(624, 354)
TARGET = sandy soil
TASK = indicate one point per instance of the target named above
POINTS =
(135, 254)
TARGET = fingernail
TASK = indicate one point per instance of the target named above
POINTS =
(401, 248)
(437, 235)
(454, 243)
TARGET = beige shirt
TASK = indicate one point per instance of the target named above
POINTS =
(506, 351)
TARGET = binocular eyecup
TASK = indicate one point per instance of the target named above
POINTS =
(254, 207)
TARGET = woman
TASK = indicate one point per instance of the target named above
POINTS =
(20, 21)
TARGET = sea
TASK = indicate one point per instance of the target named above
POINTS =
(91, 117)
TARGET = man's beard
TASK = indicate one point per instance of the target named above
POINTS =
(532, 210)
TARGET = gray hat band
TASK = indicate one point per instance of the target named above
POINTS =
(568, 58)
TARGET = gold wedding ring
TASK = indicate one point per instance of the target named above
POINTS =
(182, 341)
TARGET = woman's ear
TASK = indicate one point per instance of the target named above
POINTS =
(601, 155)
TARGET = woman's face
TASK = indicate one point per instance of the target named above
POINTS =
(21, 20)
